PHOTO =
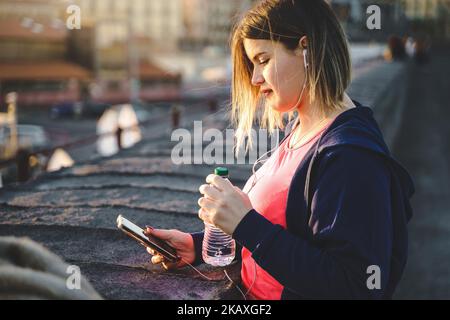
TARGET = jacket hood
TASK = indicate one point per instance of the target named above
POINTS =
(357, 127)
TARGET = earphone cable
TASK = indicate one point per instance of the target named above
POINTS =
(226, 276)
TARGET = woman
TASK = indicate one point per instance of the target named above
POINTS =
(330, 204)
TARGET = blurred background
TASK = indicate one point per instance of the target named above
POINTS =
(154, 54)
(161, 64)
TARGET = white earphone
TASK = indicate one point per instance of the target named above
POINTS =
(306, 64)
(305, 52)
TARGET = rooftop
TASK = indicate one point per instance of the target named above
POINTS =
(51, 70)
(17, 29)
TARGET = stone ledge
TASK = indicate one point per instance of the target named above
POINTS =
(119, 268)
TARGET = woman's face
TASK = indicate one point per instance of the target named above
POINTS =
(278, 72)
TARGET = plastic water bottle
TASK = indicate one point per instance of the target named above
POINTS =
(218, 247)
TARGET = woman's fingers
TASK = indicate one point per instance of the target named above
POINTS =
(209, 191)
(219, 182)
(204, 215)
(159, 259)
(165, 235)
(156, 259)
(207, 204)
(151, 251)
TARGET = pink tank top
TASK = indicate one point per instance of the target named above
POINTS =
(269, 198)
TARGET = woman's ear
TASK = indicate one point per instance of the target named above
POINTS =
(303, 42)
(302, 45)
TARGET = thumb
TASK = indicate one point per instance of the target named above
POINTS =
(161, 234)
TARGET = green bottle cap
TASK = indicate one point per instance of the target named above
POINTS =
(221, 171)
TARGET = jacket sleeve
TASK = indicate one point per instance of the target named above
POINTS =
(198, 242)
(351, 226)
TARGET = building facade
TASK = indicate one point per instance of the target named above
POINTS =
(209, 22)
(33, 54)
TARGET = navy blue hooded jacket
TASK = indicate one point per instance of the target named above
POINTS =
(347, 209)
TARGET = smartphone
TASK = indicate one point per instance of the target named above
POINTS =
(154, 243)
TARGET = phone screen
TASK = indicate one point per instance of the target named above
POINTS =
(133, 227)
(138, 234)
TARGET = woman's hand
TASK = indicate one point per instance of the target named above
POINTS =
(223, 204)
(182, 242)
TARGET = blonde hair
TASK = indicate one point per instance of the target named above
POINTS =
(286, 22)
